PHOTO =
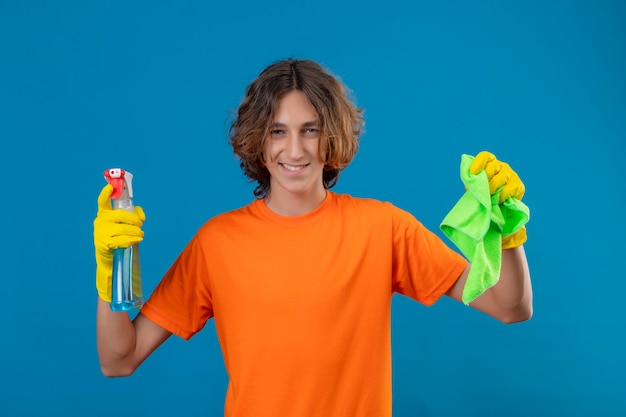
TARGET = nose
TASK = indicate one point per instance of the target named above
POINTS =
(295, 148)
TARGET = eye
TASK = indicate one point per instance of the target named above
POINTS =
(311, 132)
(277, 132)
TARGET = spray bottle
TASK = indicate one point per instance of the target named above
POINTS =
(126, 285)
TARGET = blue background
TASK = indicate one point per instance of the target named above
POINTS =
(151, 86)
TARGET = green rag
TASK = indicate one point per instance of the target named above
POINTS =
(476, 225)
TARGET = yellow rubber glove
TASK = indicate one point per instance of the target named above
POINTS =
(113, 229)
(516, 239)
(501, 177)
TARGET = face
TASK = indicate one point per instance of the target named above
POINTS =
(292, 151)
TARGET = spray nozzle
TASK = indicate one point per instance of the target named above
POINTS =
(119, 179)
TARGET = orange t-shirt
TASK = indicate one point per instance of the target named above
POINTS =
(302, 304)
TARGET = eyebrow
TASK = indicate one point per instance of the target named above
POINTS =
(313, 123)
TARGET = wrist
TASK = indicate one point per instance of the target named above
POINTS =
(514, 240)
(103, 283)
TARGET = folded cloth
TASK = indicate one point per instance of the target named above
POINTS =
(476, 225)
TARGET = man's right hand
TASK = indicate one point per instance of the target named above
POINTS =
(113, 229)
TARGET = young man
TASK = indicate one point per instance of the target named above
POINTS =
(299, 282)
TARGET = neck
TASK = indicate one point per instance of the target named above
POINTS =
(293, 204)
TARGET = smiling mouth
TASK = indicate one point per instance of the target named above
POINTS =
(293, 168)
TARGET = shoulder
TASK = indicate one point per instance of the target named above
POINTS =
(375, 211)
(401, 221)
(348, 201)
(228, 220)
(370, 206)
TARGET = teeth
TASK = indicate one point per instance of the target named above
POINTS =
(293, 167)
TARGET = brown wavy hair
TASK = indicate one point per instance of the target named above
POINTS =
(341, 122)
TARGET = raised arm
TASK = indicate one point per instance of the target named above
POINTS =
(510, 299)
(122, 344)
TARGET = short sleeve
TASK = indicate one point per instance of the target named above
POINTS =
(182, 301)
(424, 267)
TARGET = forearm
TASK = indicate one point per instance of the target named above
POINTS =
(116, 337)
(512, 295)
